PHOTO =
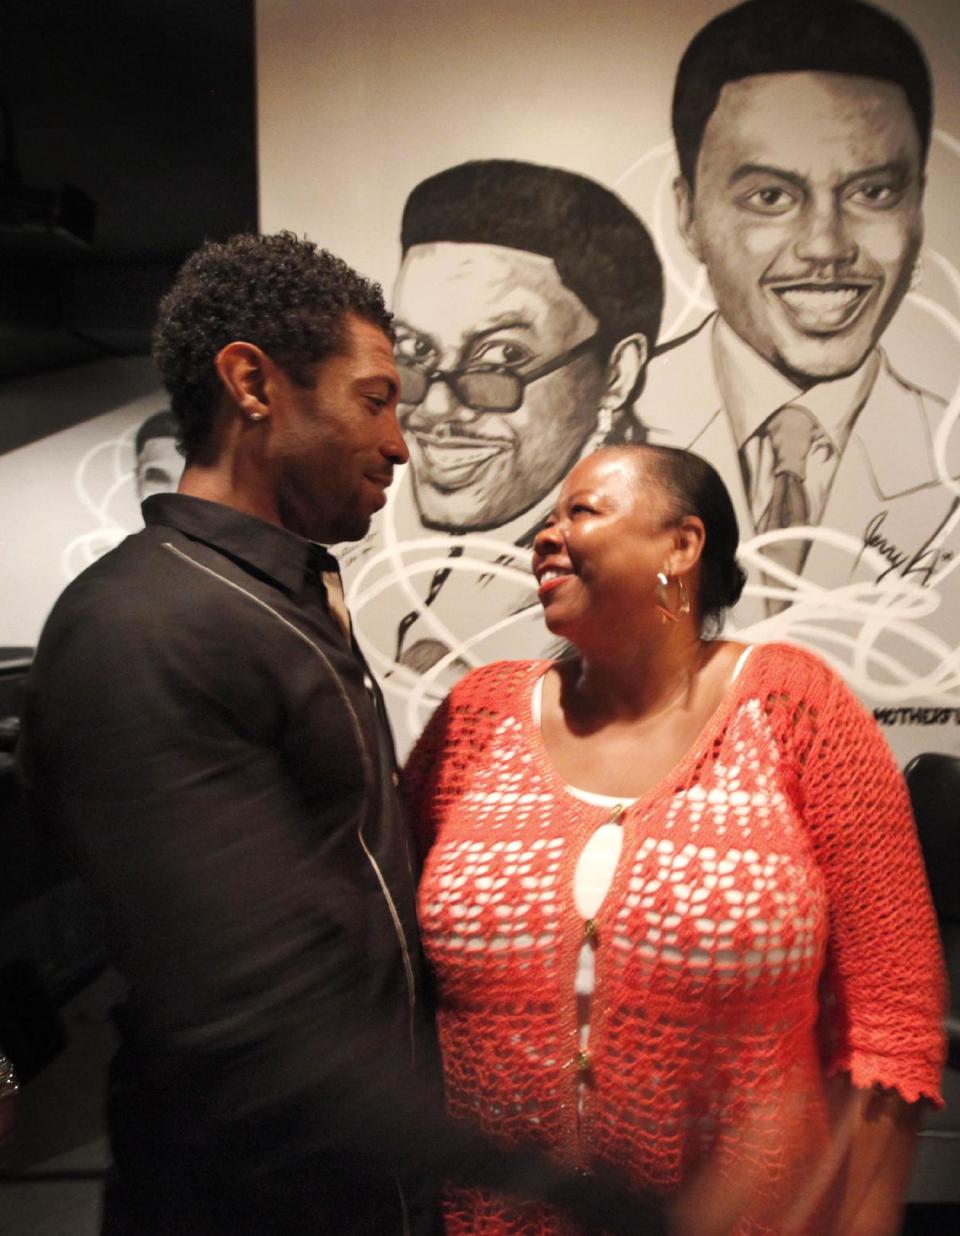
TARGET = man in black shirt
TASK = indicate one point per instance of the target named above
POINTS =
(203, 727)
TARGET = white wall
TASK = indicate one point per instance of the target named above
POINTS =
(69, 496)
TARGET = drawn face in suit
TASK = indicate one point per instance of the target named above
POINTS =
(807, 211)
(469, 307)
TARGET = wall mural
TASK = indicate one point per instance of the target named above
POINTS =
(70, 495)
(755, 286)
(141, 460)
(786, 288)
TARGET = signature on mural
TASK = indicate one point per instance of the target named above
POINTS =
(922, 562)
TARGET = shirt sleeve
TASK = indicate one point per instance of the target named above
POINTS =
(885, 963)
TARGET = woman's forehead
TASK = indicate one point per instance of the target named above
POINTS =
(627, 472)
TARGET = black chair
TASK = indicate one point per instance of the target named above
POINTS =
(933, 780)
(934, 784)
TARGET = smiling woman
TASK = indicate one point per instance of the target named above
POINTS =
(644, 893)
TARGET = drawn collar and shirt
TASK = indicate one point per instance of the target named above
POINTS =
(753, 391)
(869, 462)
(424, 614)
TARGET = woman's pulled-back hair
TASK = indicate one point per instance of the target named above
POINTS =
(694, 487)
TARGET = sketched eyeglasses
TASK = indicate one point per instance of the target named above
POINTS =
(483, 388)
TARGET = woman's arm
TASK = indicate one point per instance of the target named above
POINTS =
(885, 969)
(877, 1171)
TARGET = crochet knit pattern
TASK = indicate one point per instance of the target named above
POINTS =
(768, 924)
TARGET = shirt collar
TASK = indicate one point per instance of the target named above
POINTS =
(271, 550)
(752, 390)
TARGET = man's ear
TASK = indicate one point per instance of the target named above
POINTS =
(624, 369)
(243, 369)
(686, 216)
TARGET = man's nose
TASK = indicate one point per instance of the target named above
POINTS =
(826, 237)
(393, 446)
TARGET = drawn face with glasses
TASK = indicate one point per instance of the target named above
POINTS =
(484, 388)
(501, 377)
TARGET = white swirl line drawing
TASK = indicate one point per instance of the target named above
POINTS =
(945, 138)
(892, 609)
(89, 546)
(694, 294)
(426, 690)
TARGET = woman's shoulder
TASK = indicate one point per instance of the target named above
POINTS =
(791, 670)
(497, 682)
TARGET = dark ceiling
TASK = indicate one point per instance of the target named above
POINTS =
(148, 108)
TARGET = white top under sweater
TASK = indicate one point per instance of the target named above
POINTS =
(597, 863)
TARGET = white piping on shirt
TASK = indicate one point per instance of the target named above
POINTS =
(364, 756)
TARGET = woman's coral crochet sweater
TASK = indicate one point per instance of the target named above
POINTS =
(768, 924)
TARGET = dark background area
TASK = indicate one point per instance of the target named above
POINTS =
(147, 107)
(146, 110)
(127, 137)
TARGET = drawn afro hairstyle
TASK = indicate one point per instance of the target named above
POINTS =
(283, 294)
(694, 487)
(794, 36)
(600, 248)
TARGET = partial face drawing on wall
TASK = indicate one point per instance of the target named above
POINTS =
(158, 463)
(467, 308)
(507, 377)
(808, 230)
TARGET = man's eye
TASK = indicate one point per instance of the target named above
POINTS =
(770, 200)
(501, 352)
(879, 196)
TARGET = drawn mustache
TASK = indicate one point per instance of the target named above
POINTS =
(457, 437)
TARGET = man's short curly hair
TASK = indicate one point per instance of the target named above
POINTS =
(284, 294)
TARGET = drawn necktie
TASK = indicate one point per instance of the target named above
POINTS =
(791, 433)
(336, 602)
(322, 571)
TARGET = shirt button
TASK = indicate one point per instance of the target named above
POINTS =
(583, 1061)
(590, 929)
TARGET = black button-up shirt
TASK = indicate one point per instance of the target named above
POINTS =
(200, 728)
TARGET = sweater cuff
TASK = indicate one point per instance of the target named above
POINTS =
(913, 1080)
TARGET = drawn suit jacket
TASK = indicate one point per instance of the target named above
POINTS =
(886, 488)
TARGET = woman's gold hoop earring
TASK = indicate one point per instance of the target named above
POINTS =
(662, 598)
